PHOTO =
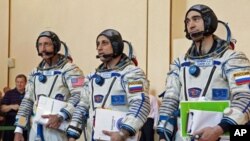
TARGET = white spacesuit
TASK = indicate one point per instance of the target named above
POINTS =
(63, 82)
(124, 88)
(222, 74)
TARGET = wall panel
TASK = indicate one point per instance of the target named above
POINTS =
(77, 23)
(4, 26)
(232, 12)
(158, 43)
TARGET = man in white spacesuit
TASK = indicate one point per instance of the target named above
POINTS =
(210, 70)
(117, 84)
(55, 77)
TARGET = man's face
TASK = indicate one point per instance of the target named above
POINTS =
(45, 46)
(20, 84)
(194, 23)
(104, 47)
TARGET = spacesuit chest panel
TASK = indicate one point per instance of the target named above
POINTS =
(111, 93)
(53, 85)
(208, 83)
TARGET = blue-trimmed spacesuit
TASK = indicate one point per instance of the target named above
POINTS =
(122, 88)
(218, 80)
(222, 74)
(62, 81)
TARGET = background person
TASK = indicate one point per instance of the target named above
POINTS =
(10, 105)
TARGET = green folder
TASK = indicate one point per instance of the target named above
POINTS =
(216, 106)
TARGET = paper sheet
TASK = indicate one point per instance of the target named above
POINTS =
(47, 106)
(108, 120)
(199, 119)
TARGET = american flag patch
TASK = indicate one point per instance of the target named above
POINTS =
(78, 81)
(135, 86)
(242, 78)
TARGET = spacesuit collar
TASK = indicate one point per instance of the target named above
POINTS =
(62, 60)
(219, 46)
(195, 52)
(124, 61)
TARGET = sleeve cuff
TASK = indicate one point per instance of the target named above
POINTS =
(128, 128)
(73, 132)
(162, 136)
(225, 126)
(18, 130)
(63, 115)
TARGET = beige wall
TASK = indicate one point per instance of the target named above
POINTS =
(159, 43)
(144, 23)
(232, 12)
(77, 23)
(4, 26)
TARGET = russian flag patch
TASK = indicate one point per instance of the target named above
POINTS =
(242, 78)
(135, 86)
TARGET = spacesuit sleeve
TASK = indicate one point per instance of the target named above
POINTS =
(74, 79)
(136, 86)
(237, 71)
(26, 106)
(80, 114)
(170, 102)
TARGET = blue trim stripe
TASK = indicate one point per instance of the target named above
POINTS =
(162, 130)
(128, 128)
(67, 114)
(139, 109)
(246, 108)
(185, 64)
(217, 62)
(229, 120)
(163, 117)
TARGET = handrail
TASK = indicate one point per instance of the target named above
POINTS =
(7, 128)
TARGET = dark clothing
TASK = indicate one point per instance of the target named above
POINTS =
(2, 121)
(11, 97)
(147, 131)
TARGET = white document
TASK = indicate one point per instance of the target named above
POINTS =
(198, 119)
(47, 106)
(108, 120)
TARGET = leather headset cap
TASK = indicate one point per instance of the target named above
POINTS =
(115, 39)
(55, 40)
(208, 16)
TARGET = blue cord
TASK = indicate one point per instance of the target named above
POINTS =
(228, 30)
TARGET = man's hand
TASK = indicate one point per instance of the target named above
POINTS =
(116, 136)
(72, 139)
(162, 140)
(1, 118)
(54, 121)
(18, 137)
(209, 133)
(15, 107)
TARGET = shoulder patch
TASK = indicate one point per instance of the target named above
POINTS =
(242, 77)
(22, 121)
(135, 86)
(77, 81)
